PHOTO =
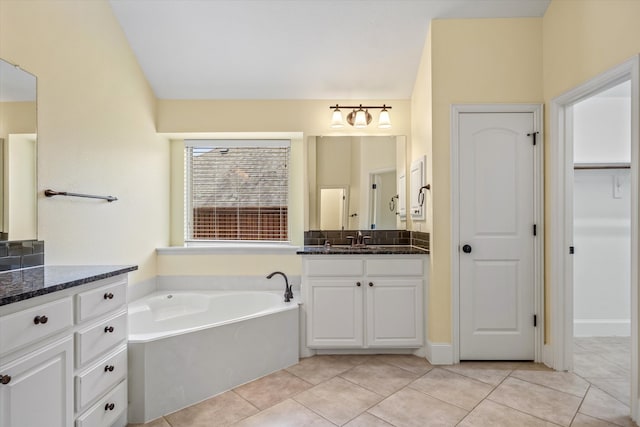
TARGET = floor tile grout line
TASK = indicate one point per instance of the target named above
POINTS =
(485, 398)
(551, 388)
(604, 391)
(315, 412)
(469, 376)
(525, 413)
(581, 402)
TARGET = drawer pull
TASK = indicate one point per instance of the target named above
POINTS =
(109, 406)
(108, 295)
(370, 283)
(5, 379)
(40, 320)
(108, 329)
(358, 284)
(109, 368)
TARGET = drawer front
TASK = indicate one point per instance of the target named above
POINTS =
(94, 340)
(34, 324)
(99, 378)
(101, 300)
(394, 267)
(334, 267)
(107, 410)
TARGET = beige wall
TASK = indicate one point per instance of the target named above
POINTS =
(17, 117)
(178, 119)
(472, 61)
(582, 39)
(312, 117)
(96, 134)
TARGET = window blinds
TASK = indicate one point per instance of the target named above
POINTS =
(236, 190)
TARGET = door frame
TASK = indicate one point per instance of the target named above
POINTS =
(538, 215)
(561, 216)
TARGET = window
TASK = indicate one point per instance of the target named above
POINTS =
(236, 190)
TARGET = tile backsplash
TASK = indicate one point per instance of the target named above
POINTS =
(16, 254)
(378, 237)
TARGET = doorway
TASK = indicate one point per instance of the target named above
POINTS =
(567, 211)
(602, 240)
(333, 208)
(382, 209)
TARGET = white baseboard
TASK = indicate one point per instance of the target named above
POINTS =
(439, 353)
(601, 327)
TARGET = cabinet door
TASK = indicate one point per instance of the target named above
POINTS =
(334, 316)
(39, 392)
(394, 313)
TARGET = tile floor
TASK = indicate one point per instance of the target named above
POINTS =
(399, 390)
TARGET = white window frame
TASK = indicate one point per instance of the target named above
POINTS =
(240, 246)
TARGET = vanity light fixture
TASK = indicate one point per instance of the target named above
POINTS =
(360, 117)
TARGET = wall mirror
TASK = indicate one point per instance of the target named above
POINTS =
(355, 182)
(18, 148)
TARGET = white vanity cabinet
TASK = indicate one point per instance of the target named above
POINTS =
(57, 372)
(364, 301)
(36, 389)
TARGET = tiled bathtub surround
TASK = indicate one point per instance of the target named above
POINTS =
(378, 237)
(18, 254)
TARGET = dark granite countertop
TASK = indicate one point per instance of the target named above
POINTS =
(19, 285)
(365, 250)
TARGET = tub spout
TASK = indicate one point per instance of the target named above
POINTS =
(288, 293)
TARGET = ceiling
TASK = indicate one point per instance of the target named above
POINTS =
(291, 49)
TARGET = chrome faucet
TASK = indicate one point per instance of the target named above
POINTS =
(288, 293)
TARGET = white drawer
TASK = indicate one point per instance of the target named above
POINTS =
(107, 410)
(94, 340)
(100, 377)
(34, 324)
(330, 266)
(101, 300)
(394, 267)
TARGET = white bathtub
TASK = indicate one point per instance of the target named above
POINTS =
(186, 346)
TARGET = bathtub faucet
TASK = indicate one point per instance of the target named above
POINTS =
(288, 293)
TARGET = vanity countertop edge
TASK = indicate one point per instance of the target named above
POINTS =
(26, 283)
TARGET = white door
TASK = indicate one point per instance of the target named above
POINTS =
(496, 236)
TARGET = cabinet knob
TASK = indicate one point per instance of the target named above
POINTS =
(108, 329)
(358, 284)
(108, 295)
(5, 379)
(109, 368)
(109, 406)
(370, 283)
(40, 320)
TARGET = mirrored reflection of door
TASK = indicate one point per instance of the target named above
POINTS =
(333, 208)
(384, 205)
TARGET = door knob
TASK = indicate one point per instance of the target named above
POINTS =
(466, 249)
